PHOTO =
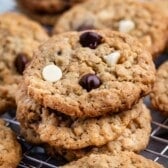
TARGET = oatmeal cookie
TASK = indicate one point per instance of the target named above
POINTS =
(135, 138)
(10, 149)
(119, 160)
(90, 73)
(19, 36)
(62, 131)
(159, 95)
(142, 20)
(47, 6)
(46, 12)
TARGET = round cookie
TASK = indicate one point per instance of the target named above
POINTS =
(140, 20)
(47, 6)
(163, 5)
(134, 138)
(62, 131)
(19, 36)
(44, 19)
(159, 95)
(46, 12)
(10, 149)
(85, 74)
(119, 160)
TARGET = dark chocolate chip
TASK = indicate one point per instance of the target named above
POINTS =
(20, 62)
(90, 39)
(85, 27)
(89, 82)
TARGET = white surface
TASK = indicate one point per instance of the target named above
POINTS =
(7, 5)
(52, 73)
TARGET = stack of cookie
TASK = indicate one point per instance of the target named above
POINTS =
(81, 94)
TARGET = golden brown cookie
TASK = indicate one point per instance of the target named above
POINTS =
(10, 149)
(46, 12)
(43, 125)
(135, 138)
(159, 95)
(119, 160)
(47, 6)
(90, 73)
(19, 36)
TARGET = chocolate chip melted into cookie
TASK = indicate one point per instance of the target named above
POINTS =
(90, 39)
(20, 62)
(89, 82)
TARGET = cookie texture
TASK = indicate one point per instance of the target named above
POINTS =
(62, 131)
(159, 95)
(120, 160)
(94, 78)
(140, 20)
(19, 36)
(10, 149)
(135, 138)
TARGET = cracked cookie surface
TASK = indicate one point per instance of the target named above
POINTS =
(110, 75)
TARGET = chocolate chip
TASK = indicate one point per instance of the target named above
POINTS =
(90, 39)
(89, 82)
(85, 27)
(20, 62)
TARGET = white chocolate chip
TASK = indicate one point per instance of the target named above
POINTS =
(126, 26)
(52, 73)
(113, 58)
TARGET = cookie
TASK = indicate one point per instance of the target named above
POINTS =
(19, 36)
(45, 12)
(134, 138)
(163, 5)
(44, 19)
(140, 20)
(85, 74)
(10, 149)
(159, 95)
(62, 131)
(47, 6)
(120, 160)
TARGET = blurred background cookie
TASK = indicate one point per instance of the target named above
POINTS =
(140, 20)
(46, 11)
(10, 149)
(19, 37)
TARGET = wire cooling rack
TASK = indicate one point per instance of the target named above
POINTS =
(35, 156)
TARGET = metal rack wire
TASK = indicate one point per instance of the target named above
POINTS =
(35, 156)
